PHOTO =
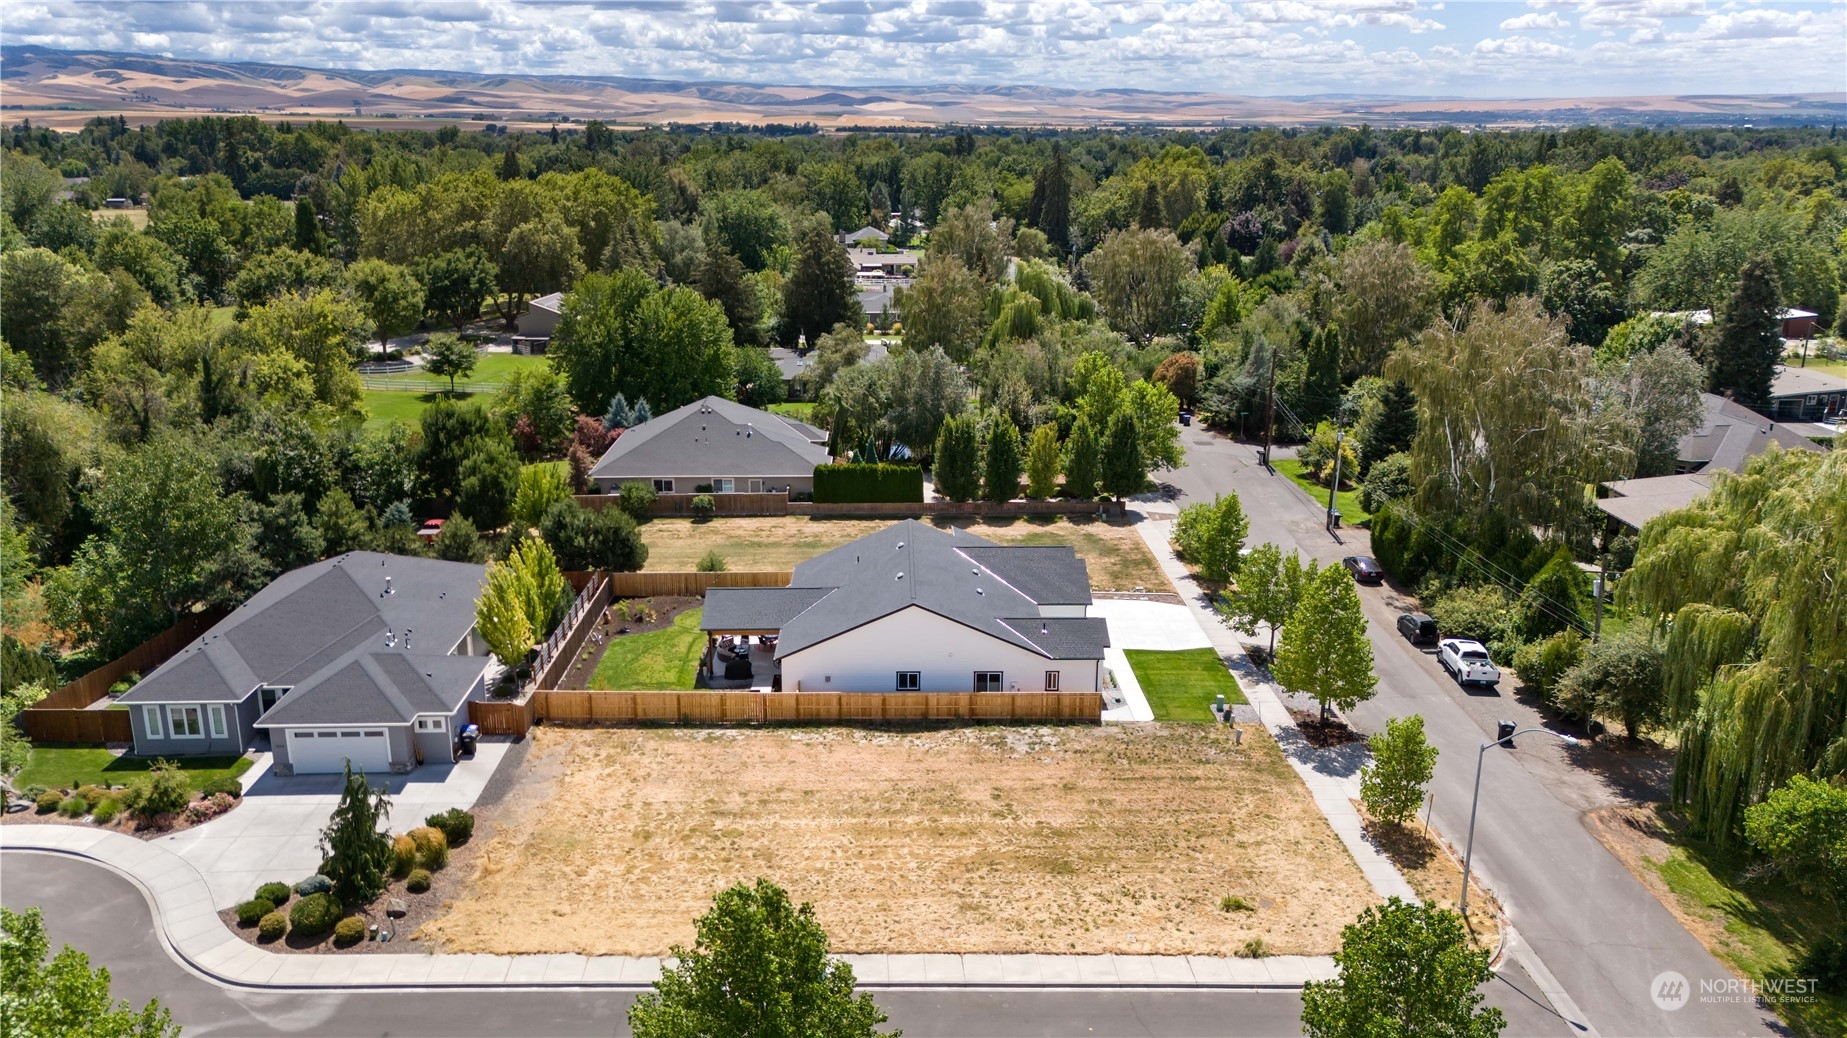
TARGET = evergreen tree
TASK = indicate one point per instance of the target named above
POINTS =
(1000, 480)
(1050, 206)
(618, 416)
(1124, 471)
(723, 280)
(1042, 463)
(1391, 429)
(1083, 461)
(308, 234)
(1325, 652)
(509, 165)
(1150, 215)
(957, 469)
(1747, 342)
(819, 293)
(356, 851)
(459, 541)
(1321, 383)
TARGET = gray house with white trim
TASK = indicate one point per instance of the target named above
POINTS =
(366, 657)
(715, 446)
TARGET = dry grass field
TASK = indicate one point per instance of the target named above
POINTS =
(1072, 840)
(1118, 558)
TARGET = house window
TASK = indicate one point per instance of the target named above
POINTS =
(723, 486)
(909, 681)
(217, 715)
(431, 724)
(987, 681)
(1051, 681)
(663, 486)
(184, 723)
(150, 718)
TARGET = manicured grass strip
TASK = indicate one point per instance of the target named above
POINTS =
(663, 660)
(801, 412)
(1180, 686)
(1348, 501)
(67, 767)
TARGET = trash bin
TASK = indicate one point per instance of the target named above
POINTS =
(1334, 519)
(471, 734)
(1504, 733)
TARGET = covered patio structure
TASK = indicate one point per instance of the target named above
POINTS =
(752, 617)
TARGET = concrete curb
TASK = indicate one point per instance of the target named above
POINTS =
(190, 927)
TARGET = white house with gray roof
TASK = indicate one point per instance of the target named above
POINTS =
(915, 609)
(364, 657)
(715, 446)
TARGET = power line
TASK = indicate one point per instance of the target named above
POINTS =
(1500, 577)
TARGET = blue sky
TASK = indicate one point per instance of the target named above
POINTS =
(1538, 48)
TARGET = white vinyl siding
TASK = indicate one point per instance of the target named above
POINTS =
(943, 652)
(909, 681)
(1051, 681)
(990, 681)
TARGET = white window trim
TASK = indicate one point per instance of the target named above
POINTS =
(150, 719)
(1051, 681)
(916, 681)
(724, 485)
(432, 724)
(663, 486)
(999, 683)
(215, 712)
(176, 713)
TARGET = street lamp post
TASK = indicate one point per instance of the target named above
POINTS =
(1340, 437)
(1468, 854)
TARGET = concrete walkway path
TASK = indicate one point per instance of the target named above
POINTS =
(1332, 779)
(181, 902)
(1136, 624)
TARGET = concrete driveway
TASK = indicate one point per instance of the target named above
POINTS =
(274, 834)
(1135, 624)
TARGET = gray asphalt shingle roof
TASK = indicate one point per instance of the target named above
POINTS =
(1733, 434)
(956, 575)
(322, 629)
(715, 437)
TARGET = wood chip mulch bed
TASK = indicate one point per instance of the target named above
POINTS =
(1323, 734)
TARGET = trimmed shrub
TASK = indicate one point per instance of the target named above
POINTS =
(432, 847)
(419, 881)
(315, 884)
(456, 824)
(105, 810)
(349, 931)
(403, 856)
(860, 483)
(162, 791)
(275, 893)
(253, 911)
(49, 801)
(703, 505)
(73, 807)
(94, 794)
(314, 915)
(273, 925)
(636, 498)
(224, 784)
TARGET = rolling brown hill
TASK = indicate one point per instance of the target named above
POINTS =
(66, 88)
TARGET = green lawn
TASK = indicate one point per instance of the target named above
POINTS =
(1180, 686)
(801, 412)
(56, 767)
(383, 408)
(1348, 501)
(664, 660)
(1762, 925)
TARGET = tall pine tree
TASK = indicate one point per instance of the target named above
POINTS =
(819, 293)
(1391, 429)
(957, 464)
(1748, 339)
(1321, 383)
(1000, 479)
(1124, 470)
(1049, 209)
(1082, 461)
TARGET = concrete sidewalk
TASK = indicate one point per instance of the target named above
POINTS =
(181, 903)
(1335, 789)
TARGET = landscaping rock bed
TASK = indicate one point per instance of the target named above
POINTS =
(203, 808)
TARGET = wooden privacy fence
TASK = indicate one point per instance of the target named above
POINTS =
(561, 706)
(64, 716)
(512, 718)
(645, 585)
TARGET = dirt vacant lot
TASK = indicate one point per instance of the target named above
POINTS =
(1115, 553)
(1072, 840)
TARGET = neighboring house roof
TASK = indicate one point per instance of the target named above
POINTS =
(322, 630)
(1733, 434)
(990, 588)
(1639, 500)
(866, 234)
(1804, 381)
(554, 303)
(791, 363)
(715, 437)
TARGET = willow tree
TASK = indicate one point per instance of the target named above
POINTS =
(1507, 419)
(1748, 582)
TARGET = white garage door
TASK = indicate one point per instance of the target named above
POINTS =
(319, 752)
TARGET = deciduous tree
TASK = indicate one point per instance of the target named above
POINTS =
(390, 296)
(1392, 786)
(1042, 463)
(61, 994)
(1136, 276)
(1324, 650)
(1404, 969)
(450, 357)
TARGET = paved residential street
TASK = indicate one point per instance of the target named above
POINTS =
(1594, 926)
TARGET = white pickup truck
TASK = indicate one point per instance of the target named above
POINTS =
(1467, 661)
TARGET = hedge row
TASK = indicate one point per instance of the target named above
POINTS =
(862, 484)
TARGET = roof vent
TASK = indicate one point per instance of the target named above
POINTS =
(1042, 630)
(388, 590)
(901, 545)
(978, 591)
(900, 574)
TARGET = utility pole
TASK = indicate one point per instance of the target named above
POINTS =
(1596, 629)
(1269, 418)
(1340, 437)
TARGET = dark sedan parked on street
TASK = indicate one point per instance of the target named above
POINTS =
(1365, 569)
